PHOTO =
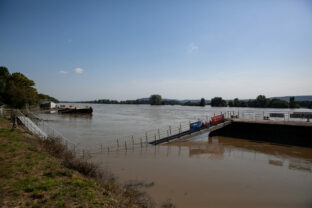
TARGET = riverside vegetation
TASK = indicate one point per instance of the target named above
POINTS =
(16, 90)
(43, 173)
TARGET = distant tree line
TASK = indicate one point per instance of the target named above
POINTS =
(202, 103)
(260, 102)
(16, 90)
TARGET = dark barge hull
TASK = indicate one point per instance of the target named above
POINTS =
(84, 110)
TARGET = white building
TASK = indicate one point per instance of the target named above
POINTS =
(47, 104)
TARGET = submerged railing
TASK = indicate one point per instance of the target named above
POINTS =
(42, 129)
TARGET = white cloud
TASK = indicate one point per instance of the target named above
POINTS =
(78, 70)
(192, 48)
(63, 72)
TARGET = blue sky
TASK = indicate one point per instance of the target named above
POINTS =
(85, 50)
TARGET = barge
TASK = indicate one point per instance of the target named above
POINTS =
(75, 109)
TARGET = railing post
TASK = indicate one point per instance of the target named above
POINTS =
(141, 142)
(158, 134)
(170, 130)
(180, 128)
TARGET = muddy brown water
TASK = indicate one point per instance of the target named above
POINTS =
(203, 172)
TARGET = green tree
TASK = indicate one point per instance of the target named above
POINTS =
(262, 101)
(292, 103)
(19, 91)
(236, 102)
(43, 97)
(277, 103)
(4, 76)
(218, 102)
(202, 102)
(155, 100)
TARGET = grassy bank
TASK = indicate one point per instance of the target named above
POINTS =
(35, 173)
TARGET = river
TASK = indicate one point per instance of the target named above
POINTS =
(204, 172)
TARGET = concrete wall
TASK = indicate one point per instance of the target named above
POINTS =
(282, 134)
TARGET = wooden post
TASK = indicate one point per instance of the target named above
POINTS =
(170, 130)
(180, 128)
(158, 134)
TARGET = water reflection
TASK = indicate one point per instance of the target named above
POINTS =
(276, 162)
(208, 169)
(76, 116)
(300, 166)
